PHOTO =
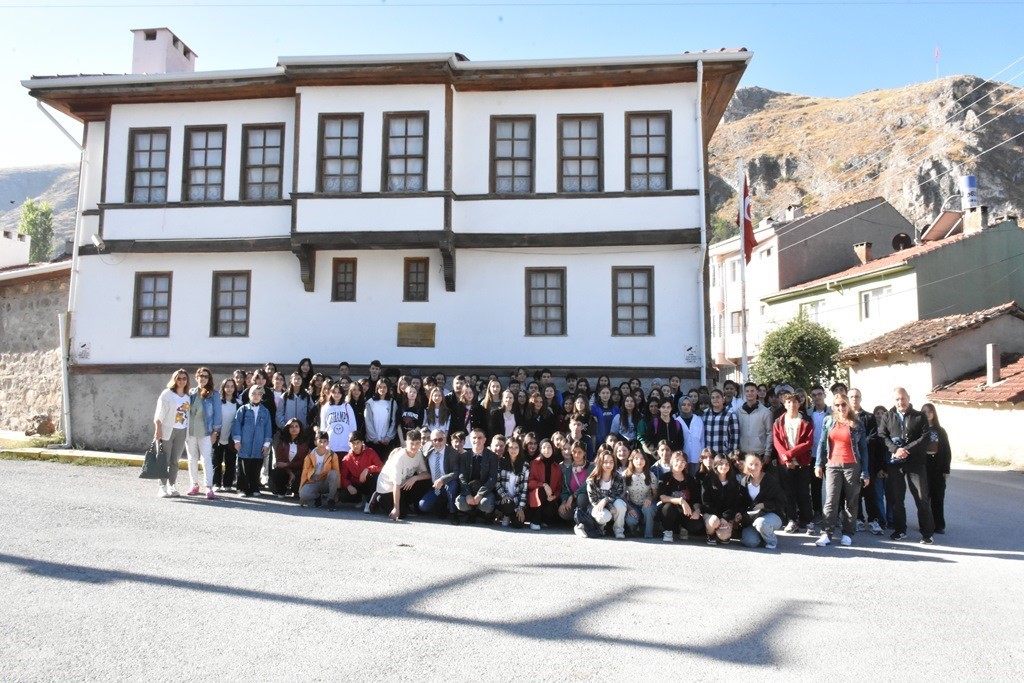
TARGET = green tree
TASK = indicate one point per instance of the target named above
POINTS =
(37, 222)
(798, 353)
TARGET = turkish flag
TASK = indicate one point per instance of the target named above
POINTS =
(746, 223)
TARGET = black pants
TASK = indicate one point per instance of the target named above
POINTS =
(937, 489)
(224, 454)
(509, 510)
(547, 513)
(279, 481)
(249, 474)
(364, 490)
(869, 496)
(409, 499)
(796, 483)
(816, 499)
(915, 478)
(673, 519)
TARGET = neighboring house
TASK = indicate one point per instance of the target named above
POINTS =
(798, 249)
(979, 268)
(983, 409)
(926, 354)
(32, 297)
(426, 210)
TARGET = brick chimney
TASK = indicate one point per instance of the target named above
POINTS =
(159, 51)
(993, 364)
(794, 211)
(863, 251)
(975, 219)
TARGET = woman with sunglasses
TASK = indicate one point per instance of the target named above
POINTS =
(842, 458)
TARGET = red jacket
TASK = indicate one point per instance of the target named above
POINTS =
(801, 452)
(352, 466)
(535, 486)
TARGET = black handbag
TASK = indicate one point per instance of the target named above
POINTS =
(154, 466)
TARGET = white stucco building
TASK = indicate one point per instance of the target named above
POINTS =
(514, 213)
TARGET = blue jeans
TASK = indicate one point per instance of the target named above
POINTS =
(763, 528)
(449, 492)
(636, 513)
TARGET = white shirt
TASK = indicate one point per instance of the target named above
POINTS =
(754, 490)
(319, 463)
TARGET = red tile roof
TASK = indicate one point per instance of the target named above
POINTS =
(923, 334)
(896, 258)
(971, 387)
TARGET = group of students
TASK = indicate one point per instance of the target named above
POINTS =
(703, 463)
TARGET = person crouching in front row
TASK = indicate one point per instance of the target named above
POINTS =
(320, 474)
(403, 480)
(478, 478)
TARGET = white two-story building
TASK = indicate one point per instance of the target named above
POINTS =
(426, 210)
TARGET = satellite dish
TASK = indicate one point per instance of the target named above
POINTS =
(901, 241)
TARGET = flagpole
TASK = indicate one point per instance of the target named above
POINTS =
(743, 276)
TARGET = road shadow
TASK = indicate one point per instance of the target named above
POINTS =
(754, 645)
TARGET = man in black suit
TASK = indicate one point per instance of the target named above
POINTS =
(443, 465)
(478, 475)
(905, 432)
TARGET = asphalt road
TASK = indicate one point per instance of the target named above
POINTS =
(101, 580)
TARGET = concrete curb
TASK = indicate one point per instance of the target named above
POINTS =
(78, 457)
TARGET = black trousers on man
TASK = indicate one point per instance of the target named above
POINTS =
(914, 477)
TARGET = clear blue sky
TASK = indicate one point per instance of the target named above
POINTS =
(825, 48)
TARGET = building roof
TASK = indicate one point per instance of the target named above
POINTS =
(972, 386)
(12, 275)
(924, 334)
(893, 260)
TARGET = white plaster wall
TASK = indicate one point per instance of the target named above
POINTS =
(92, 173)
(375, 213)
(482, 323)
(372, 101)
(472, 112)
(981, 431)
(197, 222)
(177, 116)
(576, 215)
(877, 379)
(841, 309)
(966, 351)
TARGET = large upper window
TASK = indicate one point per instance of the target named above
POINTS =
(152, 305)
(341, 143)
(405, 152)
(262, 161)
(633, 301)
(147, 165)
(204, 164)
(512, 154)
(231, 304)
(648, 161)
(580, 140)
(545, 301)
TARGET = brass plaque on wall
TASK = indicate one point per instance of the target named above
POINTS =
(416, 334)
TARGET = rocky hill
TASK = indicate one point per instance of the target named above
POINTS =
(907, 145)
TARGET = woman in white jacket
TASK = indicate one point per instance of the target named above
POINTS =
(381, 415)
(693, 434)
(337, 419)
(171, 422)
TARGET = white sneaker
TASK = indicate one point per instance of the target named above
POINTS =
(535, 527)
(861, 525)
(771, 546)
(876, 528)
(811, 529)
(620, 534)
(161, 492)
(504, 521)
(579, 531)
(792, 527)
(823, 541)
(366, 508)
(172, 492)
(667, 537)
(846, 540)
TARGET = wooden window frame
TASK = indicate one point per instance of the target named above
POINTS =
(243, 181)
(649, 271)
(565, 287)
(600, 152)
(187, 168)
(630, 115)
(129, 191)
(321, 159)
(334, 279)
(386, 157)
(136, 309)
(411, 260)
(215, 307)
(495, 120)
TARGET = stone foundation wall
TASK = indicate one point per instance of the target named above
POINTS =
(30, 376)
